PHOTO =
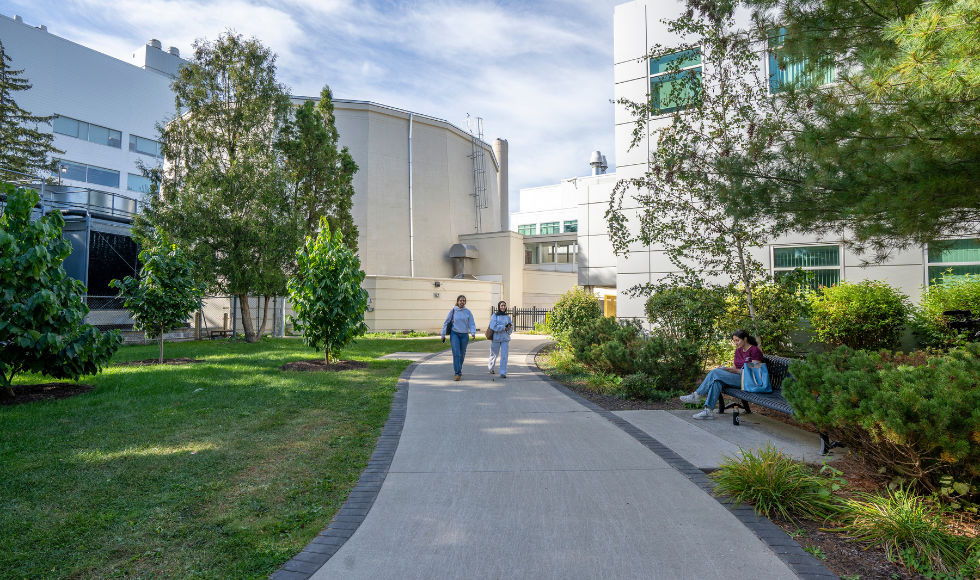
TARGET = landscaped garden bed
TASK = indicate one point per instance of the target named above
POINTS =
(220, 469)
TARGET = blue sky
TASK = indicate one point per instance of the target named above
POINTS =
(539, 73)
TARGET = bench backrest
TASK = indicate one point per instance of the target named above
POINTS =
(778, 368)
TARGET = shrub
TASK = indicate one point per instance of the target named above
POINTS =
(690, 312)
(864, 315)
(776, 484)
(912, 414)
(575, 309)
(951, 293)
(667, 363)
(910, 529)
(779, 306)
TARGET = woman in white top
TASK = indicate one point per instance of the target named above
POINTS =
(501, 326)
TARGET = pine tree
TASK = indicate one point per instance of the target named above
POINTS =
(22, 148)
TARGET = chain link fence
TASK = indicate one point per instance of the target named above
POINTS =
(216, 317)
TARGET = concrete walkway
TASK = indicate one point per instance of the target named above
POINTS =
(510, 478)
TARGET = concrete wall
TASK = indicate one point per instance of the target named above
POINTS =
(402, 303)
(501, 254)
(74, 81)
(543, 289)
(442, 184)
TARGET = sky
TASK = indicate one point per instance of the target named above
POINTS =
(540, 74)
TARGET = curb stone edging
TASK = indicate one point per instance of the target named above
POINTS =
(350, 515)
(801, 562)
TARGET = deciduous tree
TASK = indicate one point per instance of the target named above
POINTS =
(326, 293)
(165, 293)
(42, 316)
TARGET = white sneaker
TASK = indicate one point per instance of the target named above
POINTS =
(705, 414)
(694, 398)
(491, 371)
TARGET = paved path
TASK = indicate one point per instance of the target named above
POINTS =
(510, 478)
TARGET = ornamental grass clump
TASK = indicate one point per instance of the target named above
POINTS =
(776, 484)
(909, 527)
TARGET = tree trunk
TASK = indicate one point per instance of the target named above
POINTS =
(9, 390)
(247, 324)
(265, 317)
(161, 344)
(746, 279)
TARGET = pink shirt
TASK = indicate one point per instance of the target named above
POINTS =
(743, 356)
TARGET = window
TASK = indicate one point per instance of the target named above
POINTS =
(138, 183)
(791, 72)
(88, 132)
(566, 252)
(145, 146)
(675, 81)
(528, 230)
(571, 226)
(87, 173)
(959, 256)
(821, 262)
(551, 228)
(531, 254)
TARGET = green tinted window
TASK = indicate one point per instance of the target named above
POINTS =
(528, 229)
(550, 228)
(816, 278)
(671, 92)
(806, 257)
(680, 60)
(954, 251)
(571, 226)
(940, 274)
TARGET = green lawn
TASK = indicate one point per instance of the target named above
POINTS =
(223, 469)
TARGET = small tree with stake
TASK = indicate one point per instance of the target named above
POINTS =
(165, 293)
(326, 293)
(42, 315)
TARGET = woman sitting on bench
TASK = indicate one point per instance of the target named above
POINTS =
(746, 350)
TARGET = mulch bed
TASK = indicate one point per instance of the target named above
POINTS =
(44, 392)
(155, 361)
(318, 365)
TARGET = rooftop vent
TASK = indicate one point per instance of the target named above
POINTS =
(18, 19)
(174, 51)
(596, 161)
(43, 28)
(155, 43)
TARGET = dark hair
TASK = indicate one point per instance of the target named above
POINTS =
(744, 335)
(499, 303)
(460, 296)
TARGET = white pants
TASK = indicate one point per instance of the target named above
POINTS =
(499, 349)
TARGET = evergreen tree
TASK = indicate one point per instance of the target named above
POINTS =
(22, 148)
(224, 195)
(889, 154)
(322, 177)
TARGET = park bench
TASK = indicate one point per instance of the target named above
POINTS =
(778, 368)
(220, 333)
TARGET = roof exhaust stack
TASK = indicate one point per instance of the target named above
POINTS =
(155, 43)
(174, 51)
(604, 165)
(596, 161)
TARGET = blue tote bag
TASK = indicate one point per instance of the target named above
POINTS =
(755, 378)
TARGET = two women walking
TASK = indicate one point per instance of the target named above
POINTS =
(460, 326)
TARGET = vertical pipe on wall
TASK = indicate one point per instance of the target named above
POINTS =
(411, 215)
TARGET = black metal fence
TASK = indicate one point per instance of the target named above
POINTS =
(526, 318)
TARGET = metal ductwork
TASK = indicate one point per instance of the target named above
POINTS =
(461, 253)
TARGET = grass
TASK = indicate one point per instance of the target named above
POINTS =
(910, 528)
(775, 483)
(223, 469)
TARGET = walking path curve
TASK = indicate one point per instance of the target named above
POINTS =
(513, 478)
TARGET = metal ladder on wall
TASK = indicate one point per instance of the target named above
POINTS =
(480, 198)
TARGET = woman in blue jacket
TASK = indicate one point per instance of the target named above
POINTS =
(501, 326)
(460, 325)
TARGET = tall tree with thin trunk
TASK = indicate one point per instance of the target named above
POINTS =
(23, 148)
(224, 196)
(321, 175)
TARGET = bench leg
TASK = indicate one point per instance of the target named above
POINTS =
(826, 444)
(721, 404)
(745, 405)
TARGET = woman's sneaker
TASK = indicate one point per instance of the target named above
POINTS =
(705, 414)
(693, 399)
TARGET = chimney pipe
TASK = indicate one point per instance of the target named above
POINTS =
(501, 150)
(596, 162)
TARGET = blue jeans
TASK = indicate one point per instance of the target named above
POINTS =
(458, 340)
(714, 382)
